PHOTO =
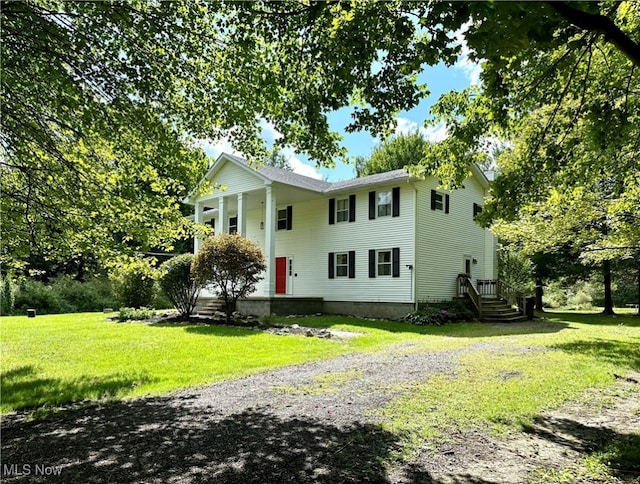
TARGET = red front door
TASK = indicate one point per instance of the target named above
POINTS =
(281, 275)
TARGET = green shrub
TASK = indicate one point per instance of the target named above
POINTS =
(437, 314)
(94, 294)
(580, 300)
(177, 282)
(41, 297)
(7, 294)
(134, 283)
(133, 314)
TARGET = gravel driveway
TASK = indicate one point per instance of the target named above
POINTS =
(315, 422)
(306, 423)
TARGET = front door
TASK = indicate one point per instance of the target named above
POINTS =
(281, 275)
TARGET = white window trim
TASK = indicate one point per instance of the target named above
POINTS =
(345, 265)
(388, 207)
(342, 211)
(389, 264)
(278, 219)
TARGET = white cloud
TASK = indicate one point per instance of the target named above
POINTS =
(269, 132)
(432, 133)
(470, 69)
(298, 166)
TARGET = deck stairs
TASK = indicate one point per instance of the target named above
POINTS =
(496, 310)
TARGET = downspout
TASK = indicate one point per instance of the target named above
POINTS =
(414, 285)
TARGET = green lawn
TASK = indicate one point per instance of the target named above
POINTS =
(57, 359)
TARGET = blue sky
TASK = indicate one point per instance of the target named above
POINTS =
(439, 79)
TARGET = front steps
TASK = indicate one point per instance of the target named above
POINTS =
(207, 307)
(496, 310)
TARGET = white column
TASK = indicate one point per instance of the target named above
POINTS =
(270, 242)
(242, 214)
(199, 219)
(223, 217)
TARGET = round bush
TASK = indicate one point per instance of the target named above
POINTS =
(177, 282)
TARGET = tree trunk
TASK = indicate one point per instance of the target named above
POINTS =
(608, 299)
(539, 294)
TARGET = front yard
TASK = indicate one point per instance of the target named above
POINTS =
(434, 396)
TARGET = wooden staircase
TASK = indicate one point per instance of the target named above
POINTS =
(497, 310)
(493, 300)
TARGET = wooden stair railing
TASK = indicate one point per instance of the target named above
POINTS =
(465, 286)
(489, 287)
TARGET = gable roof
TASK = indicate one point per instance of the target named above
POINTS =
(278, 175)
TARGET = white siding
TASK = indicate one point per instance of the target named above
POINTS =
(444, 239)
(236, 180)
(312, 238)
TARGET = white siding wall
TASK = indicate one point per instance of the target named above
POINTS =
(444, 239)
(236, 180)
(312, 238)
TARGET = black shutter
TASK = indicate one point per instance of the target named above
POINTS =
(289, 217)
(332, 265)
(395, 262)
(352, 264)
(372, 205)
(395, 205)
(372, 263)
(476, 209)
(433, 199)
(332, 211)
(352, 208)
(446, 203)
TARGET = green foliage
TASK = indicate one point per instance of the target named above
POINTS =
(177, 282)
(437, 314)
(133, 282)
(232, 263)
(516, 269)
(395, 153)
(64, 295)
(7, 294)
(135, 314)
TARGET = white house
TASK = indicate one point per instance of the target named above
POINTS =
(372, 246)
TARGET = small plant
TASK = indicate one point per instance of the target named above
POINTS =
(133, 314)
(178, 283)
(437, 314)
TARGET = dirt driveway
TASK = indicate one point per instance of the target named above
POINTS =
(315, 422)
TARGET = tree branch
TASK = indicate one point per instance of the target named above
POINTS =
(602, 25)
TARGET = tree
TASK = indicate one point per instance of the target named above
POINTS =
(104, 102)
(232, 263)
(395, 153)
(177, 281)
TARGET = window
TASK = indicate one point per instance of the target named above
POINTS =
(284, 218)
(342, 264)
(476, 209)
(233, 225)
(439, 201)
(384, 263)
(384, 204)
(342, 210)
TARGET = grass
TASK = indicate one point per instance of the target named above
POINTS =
(513, 375)
(57, 359)
(501, 390)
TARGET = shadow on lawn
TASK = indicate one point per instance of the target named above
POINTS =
(23, 388)
(166, 440)
(620, 452)
(620, 353)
